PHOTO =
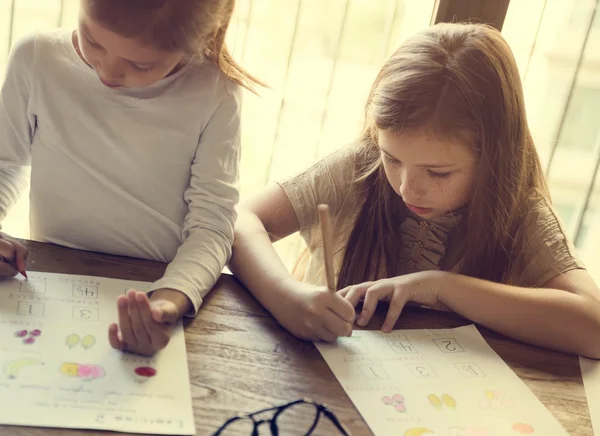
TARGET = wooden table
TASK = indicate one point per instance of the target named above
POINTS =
(241, 360)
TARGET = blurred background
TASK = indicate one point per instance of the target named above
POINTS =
(320, 57)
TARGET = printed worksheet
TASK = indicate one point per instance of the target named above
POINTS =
(446, 382)
(57, 368)
(590, 371)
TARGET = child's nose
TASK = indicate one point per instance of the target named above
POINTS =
(110, 69)
(411, 189)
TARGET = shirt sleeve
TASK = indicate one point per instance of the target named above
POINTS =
(546, 251)
(212, 196)
(17, 124)
(329, 181)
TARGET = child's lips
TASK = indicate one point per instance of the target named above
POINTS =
(418, 210)
(110, 85)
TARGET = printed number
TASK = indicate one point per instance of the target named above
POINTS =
(402, 347)
(83, 291)
(30, 309)
(422, 370)
(449, 345)
(373, 371)
(85, 313)
(469, 369)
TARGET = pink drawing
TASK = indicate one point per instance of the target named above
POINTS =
(32, 335)
(21, 333)
(523, 428)
(90, 371)
(495, 400)
(84, 371)
(397, 401)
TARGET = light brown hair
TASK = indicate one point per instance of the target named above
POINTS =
(460, 81)
(195, 27)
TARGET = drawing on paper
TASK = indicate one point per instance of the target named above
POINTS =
(438, 403)
(144, 373)
(397, 401)
(88, 341)
(495, 400)
(28, 336)
(72, 340)
(443, 376)
(12, 369)
(84, 371)
(523, 428)
(417, 431)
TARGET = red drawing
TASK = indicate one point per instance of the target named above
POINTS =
(144, 373)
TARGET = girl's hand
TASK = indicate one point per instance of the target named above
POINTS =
(420, 287)
(13, 256)
(145, 326)
(314, 313)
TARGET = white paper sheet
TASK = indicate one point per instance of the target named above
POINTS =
(57, 368)
(435, 382)
(590, 371)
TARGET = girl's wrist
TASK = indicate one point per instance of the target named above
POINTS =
(178, 298)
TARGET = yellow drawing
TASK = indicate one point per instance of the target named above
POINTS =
(449, 401)
(438, 403)
(69, 369)
(435, 401)
(83, 371)
(489, 395)
(13, 368)
(417, 431)
(88, 341)
(72, 340)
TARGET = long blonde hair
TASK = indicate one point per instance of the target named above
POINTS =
(196, 27)
(460, 81)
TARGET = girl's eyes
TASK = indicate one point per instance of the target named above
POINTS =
(389, 160)
(140, 67)
(90, 42)
(438, 175)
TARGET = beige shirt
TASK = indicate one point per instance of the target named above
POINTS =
(546, 251)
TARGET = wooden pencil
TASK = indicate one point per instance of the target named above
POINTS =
(326, 233)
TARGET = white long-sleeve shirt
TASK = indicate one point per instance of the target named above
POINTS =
(149, 172)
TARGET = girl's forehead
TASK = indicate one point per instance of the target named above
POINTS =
(131, 49)
(422, 145)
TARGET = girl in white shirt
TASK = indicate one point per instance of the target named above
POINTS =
(128, 130)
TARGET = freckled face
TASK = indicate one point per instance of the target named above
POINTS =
(433, 176)
(120, 61)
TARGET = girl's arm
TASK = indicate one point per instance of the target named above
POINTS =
(307, 311)
(563, 315)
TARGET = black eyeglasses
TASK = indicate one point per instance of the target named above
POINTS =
(297, 418)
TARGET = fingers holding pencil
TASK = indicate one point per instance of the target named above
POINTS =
(13, 255)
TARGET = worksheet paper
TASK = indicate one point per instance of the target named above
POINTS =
(57, 368)
(435, 382)
(590, 371)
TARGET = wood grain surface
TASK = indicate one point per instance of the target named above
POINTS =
(240, 360)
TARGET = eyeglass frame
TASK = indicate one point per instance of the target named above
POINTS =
(321, 409)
